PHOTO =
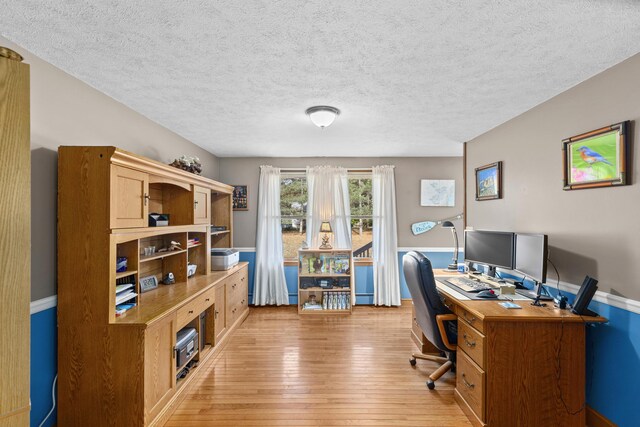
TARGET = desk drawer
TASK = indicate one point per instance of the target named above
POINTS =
(471, 342)
(237, 288)
(188, 312)
(470, 383)
(471, 319)
(448, 303)
(207, 299)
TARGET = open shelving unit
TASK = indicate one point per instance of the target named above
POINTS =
(325, 281)
(106, 198)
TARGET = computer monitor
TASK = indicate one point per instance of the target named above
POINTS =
(490, 248)
(531, 256)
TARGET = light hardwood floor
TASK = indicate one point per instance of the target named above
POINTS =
(281, 369)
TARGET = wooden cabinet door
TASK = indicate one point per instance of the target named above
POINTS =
(15, 255)
(159, 366)
(129, 198)
(201, 205)
(219, 317)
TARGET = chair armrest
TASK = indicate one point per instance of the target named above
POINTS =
(440, 319)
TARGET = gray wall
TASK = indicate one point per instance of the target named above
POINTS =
(66, 111)
(591, 231)
(409, 172)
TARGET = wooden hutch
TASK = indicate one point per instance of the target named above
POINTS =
(121, 369)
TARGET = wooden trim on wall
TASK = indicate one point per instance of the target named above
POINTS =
(464, 184)
(596, 419)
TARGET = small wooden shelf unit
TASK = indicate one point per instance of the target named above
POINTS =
(121, 370)
(335, 268)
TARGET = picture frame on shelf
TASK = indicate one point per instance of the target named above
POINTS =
(597, 158)
(489, 181)
(240, 197)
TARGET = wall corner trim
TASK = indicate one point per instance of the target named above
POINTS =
(44, 304)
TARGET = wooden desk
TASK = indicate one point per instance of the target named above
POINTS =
(522, 367)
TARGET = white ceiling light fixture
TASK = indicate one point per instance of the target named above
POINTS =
(322, 115)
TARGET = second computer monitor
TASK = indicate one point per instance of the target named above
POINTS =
(531, 256)
(491, 248)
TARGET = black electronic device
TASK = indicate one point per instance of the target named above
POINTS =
(531, 256)
(158, 220)
(307, 282)
(584, 296)
(186, 346)
(530, 259)
(491, 248)
(203, 329)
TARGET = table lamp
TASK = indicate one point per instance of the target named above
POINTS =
(454, 261)
(325, 228)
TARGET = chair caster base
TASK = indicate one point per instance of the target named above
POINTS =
(431, 385)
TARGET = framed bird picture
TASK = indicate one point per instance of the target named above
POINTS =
(489, 181)
(597, 158)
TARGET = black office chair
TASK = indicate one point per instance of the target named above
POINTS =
(437, 322)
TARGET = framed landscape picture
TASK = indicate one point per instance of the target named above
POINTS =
(596, 159)
(489, 181)
(240, 198)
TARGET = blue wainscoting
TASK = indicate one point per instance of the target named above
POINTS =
(364, 276)
(613, 349)
(44, 361)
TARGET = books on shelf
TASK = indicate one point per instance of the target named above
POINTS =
(325, 264)
(122, 308)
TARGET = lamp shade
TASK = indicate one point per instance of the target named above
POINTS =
(322, 115)
(325, 227)
(448, 224)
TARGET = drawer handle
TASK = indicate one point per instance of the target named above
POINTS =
(207, 300)
(467, 342)
(190, 311)
(470, 320)
(215, 314)
(468, 384)
(242, 279)
(234, 285)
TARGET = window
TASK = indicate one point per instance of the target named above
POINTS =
(361, 201)
(293, 209)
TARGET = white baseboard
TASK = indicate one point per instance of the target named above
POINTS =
(44, 304)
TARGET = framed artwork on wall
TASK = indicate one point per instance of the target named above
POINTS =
(489, 181)
(596, 159)
(240, 198)
(437, 192)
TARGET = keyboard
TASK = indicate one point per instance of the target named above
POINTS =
(468, 285)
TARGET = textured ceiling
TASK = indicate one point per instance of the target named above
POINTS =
(411, 77)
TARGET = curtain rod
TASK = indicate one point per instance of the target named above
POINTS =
(285, 170)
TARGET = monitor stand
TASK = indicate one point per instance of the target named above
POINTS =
(491, 271)
(540, 297)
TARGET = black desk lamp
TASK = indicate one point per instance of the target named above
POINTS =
(454, 261)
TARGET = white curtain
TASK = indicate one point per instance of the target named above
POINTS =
(328, 200)
(386, 281)
(270, 284)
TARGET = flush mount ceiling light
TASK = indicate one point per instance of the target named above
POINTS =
(322, 115)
